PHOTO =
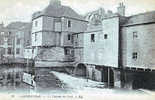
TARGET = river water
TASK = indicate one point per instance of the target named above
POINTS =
(11, 81)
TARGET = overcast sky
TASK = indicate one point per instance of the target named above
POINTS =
(21, 10)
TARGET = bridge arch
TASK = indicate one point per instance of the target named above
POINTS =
(81, 70)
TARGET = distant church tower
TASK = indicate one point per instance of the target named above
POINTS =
(121, 9)
(55, 2)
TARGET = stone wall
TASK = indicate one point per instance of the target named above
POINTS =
(143, 44)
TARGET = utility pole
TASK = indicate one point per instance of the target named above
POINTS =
(108, 77)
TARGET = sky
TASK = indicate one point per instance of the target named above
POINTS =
(22, 10)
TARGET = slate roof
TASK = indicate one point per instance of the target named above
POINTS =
(16, 25)
(142, 18)
(27, 26)
(58, 11)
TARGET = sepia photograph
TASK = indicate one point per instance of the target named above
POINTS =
(77, 50)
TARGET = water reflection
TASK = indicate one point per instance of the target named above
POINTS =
(11, 81)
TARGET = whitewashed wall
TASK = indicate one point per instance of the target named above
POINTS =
(19, 35)
(144, 45)
(76, 25)
(38, 41)
(39, 25)
(111, 45)
(103, 51)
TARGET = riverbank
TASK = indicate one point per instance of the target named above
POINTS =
(86, 87)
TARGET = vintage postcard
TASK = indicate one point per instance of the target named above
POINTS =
(77, 49)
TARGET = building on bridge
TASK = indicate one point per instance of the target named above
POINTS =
(119, 50)
(137, 50)
(98, 41)
(52, 34)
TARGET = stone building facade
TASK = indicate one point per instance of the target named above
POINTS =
(138, 32)
(52, 34)
(119, 50)
(14, 38)
(2, 40)
(100, 51)
(22, 40)
(137, 50)
(6, 43)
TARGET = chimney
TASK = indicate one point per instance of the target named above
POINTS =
(121, 9)
(55, 2)
(101, 11)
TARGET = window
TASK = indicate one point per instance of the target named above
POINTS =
(105, 36)
(69, 36)
(66, 51)
(32, 51)
(76, 43)
(9, 33)
(135, 35)
(2, 33)
(4, 50)
(17, 83)
(92, 37)
(35, 36)
(28, 42)
(9, 50)
(69, 23)
(18, 41)
(72, 52)
(72, 40)
(9, 76)
(134, 55)
(17, 51)
(9, 41)
(17, 75)
(36, 23)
